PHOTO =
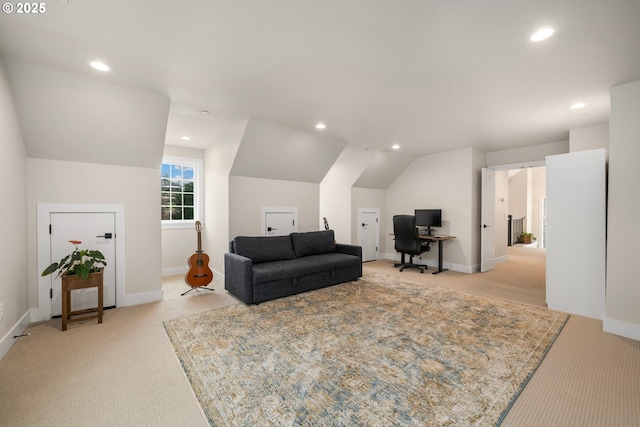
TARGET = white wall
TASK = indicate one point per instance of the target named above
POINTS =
(518, 194)
(13, 227)
(248, 195)
(538, 192)
(335, 190)
(218, 161)
(622, 315)
(576, 243)
(533, 153)
(56, 181)
(429, 183)
(589, 138)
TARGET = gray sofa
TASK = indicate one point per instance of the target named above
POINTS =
(262, 268)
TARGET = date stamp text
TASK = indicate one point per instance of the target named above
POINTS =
(24, 8)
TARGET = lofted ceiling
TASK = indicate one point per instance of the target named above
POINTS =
(429, 75)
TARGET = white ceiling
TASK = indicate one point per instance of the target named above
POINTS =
(430, 75)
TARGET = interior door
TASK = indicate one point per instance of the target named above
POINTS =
(280, 223)
(487, 221)
(369, 233)
(93, 230)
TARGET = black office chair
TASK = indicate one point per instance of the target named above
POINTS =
(407, 241)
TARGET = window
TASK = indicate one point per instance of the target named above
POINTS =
(180, 187)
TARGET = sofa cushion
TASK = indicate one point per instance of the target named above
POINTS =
(264, 248)
(278, 270)
(313, 243)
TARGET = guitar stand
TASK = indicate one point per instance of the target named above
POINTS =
(196, 287)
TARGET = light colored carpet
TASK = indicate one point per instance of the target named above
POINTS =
(124, 372)
(383, 350)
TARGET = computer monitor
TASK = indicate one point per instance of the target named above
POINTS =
(428, 218)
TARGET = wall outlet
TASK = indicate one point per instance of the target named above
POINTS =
(1, 311)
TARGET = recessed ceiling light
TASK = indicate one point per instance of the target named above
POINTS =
(100, 66)
(185, 138)
(321, 126)
(205, 112)
(542, 34)
(578, 105)
(396, 146)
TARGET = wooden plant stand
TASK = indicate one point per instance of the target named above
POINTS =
(70, 283)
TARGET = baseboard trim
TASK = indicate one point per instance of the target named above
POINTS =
(174, 271)
(143, 298)
(434, 264)
(8, 340)
(623, 329)
(218, 277)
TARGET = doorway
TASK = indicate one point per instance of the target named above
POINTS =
(96, 231)
(279, 221)
(369, 233)
(70, 222)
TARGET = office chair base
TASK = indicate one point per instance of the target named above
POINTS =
(416, 266)
(410, 264)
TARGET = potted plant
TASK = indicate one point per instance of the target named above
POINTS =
(80, 262)
(81, 269)
(526, 238)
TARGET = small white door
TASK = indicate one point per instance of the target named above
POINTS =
(279, 222)
(369, 233)
(93, 230)
(487, 221)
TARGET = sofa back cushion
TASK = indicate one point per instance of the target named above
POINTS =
(313, 243)
(264, 248)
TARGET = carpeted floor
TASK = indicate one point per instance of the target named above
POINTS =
(124, 372)
(384, 350)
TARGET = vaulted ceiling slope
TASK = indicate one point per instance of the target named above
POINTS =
(430, 75)
(273, 151)
(69, 117)
(382, 170)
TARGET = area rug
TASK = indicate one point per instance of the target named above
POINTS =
(379, 351)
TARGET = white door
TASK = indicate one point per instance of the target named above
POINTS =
(95, 231)
(280, 223)
(576, 233)
(487, 221)
(369, 233)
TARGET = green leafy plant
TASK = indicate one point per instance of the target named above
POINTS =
(81, 262)
(526, 236)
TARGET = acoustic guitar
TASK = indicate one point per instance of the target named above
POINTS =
(199, 273)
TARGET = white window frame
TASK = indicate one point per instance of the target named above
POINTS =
(198, 194)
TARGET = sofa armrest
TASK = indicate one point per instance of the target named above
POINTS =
(349, 249)
(238, 276)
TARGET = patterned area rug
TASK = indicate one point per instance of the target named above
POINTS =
(379, 351)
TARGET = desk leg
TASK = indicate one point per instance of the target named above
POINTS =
(440, 269)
